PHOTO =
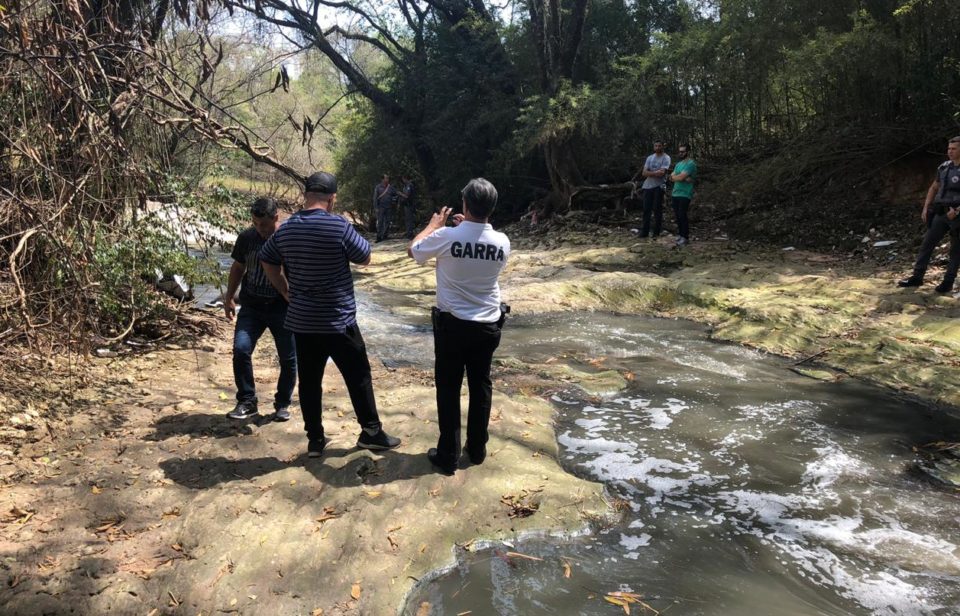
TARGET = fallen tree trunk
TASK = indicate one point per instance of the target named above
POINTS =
(603, 196)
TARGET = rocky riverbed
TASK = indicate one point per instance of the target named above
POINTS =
(127, 490)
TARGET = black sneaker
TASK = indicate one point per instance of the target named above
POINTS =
(944, 287)
(434, 458)
(315, 447)
(244, 410)
(912, 281)
(380, 440)
(282, 413)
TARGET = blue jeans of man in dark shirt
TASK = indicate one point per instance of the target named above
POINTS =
(252, 321)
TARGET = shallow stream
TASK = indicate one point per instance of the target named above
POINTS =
(747, 488)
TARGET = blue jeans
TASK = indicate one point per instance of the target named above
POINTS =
(251, 323)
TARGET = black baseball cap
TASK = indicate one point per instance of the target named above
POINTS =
(321, 182)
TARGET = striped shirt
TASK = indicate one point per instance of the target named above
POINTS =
(255, 289)
(316, 249)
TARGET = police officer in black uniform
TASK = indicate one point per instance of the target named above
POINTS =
(941, 213)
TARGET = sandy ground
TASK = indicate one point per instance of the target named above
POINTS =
(126, 490)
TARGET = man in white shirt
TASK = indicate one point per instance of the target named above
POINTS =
(467, 319)
(655, 169)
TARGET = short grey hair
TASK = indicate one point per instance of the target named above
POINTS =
(480, 196)
(955, 139)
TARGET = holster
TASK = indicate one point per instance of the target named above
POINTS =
(504, 311)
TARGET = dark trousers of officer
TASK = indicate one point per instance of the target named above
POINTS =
(409, 215)
(681, 206)
(462, 346)
(652, 204)
(252, 321)
(939, 227)
(349, 353)
(384, 217)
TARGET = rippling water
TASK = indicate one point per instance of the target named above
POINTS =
(749, 489)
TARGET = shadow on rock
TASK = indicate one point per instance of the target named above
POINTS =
(199, 424)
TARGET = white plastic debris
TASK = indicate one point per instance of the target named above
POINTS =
(789, 248)
(884, 243)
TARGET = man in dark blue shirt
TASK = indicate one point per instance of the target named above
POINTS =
(408, 201)
(315, 248)
(941, 213)
(384, 201)
(261, 307)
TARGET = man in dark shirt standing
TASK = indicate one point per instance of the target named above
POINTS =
(315, 248)
(408, 202)
(941, 213)
(261, 307)
(384, 198)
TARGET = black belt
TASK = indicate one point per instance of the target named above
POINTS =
(437, 316)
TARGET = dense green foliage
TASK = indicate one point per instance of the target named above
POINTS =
(742, 80)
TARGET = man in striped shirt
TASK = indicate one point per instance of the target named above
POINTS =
(315, 248)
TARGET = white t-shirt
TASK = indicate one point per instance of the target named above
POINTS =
(470, 258)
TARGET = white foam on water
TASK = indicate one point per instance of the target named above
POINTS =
(831, 464)
(590, 424)
(632, 542)
(823, 549)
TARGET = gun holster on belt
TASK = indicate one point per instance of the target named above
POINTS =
(504, 311)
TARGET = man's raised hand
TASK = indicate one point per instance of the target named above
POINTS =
(439, 219)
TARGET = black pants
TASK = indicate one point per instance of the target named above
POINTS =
(349, 353)
(409, 217)
(652, 204)
(462, 345)
(384, 217)
(681, 205)
(938, 227)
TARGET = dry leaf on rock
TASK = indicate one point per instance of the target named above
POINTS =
(355, 591)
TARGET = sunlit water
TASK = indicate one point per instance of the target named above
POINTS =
(750, 489)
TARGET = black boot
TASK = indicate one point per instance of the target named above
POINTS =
(945, 287)
(912, 281)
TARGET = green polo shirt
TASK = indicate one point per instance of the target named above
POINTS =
(684, 189)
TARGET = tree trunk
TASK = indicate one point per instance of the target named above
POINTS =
(564, 174)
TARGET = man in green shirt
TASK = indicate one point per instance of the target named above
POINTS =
(683, 176)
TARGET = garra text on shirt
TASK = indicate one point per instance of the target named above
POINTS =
(466, 250)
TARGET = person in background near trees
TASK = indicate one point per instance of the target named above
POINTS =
(261, 307)
(315, 248)
(655, 171)
(407, 200)
(941, 208)
(683, 177)
(467, 319)
(384, 195)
